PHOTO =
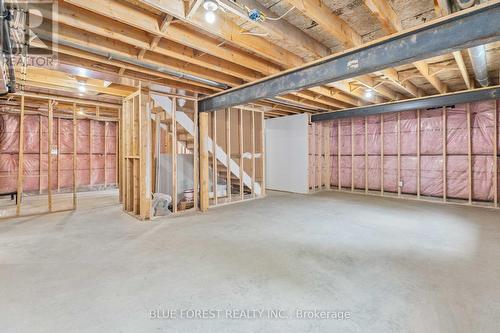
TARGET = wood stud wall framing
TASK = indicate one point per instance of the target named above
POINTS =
(323, 136)
(52, 184)
(238, 133)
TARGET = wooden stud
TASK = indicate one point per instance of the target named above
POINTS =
(445, 129)
(240, 126)
(196, 152)
(204, 176)
(399, 153)
(105, 154)
(253, 152)
(326, 144)
(215, 162)
(495, 155)
(174, 154)
(263, 154)
(338, 156)
(352, 154)
(382, 154)
(91, 140)
(469, 152)
(40, 153)
(20, 168)
(58, 154)
(49, 175)
(228, 153)
(418, 154)
(366, 154)
(74, 155)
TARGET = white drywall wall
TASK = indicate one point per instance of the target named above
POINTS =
(287, 153)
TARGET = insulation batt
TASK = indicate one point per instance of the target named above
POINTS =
(36, 171)
(456, 138)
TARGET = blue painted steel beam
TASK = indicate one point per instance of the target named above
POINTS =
(422, 103)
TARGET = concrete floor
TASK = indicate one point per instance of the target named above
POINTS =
(395, 266)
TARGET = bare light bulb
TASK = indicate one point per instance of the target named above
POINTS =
(210, 17)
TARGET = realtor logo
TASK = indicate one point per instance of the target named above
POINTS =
(33, 31)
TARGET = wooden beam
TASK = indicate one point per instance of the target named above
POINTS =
(204, 161)
(423, 68)
(20, 166)
(384, 13)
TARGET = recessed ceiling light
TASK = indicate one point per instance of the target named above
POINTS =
(81, 87)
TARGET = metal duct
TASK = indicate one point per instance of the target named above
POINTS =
(477, 54)
(478, 58)
(134, 61)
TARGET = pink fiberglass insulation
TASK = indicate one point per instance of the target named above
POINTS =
(358, 126)
(345, 171)
(97, 137)
(390, 134)
(431, 128)
(408, 134)
(333, 138)
(390, 173)
(9, 137)
(334, 176)
(374, 172)
(110, 137)
(374, 136)
(345, 136)
(359, 172)
(82, 137)
(482, 120)
(36, 174)
(66, 136)
(409, 174)
(483, 124)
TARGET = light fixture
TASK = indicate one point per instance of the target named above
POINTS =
(210, 5)
(368, 93)
(81, 87)
(210, 17)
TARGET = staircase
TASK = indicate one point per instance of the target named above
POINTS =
(166, 104)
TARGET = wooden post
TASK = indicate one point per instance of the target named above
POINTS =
(352, 155)
(495, 155)
(263, 155)
(20, 168)
(366, 154)
(228, 153)
(214, 150)
(399, 153)
(196, 152)
(382, 154)
(240, 125)
(74, 155)
(105, 154)
(174, 154)
(445, 129)
(90, 152)
(338, 155)
(40, 153)
(49, 175)
(58, 154)
(204, 161)
(418, 154)
(469, 152)
(326, 144)
(253, 153)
